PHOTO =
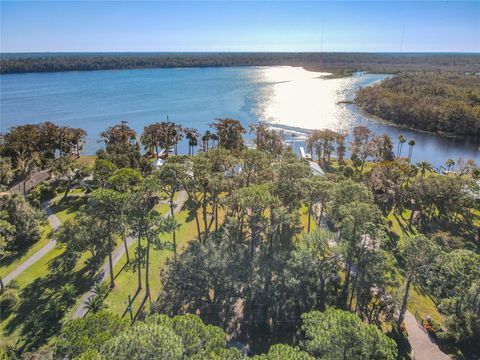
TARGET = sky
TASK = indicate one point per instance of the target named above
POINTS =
(137, 26)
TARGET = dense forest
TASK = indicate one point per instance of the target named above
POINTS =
(332, 62)
(447, 103)
(233, 252)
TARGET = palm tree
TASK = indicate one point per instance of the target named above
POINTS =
(193, 141)
(411, 144)
(424, 166)
(68, 294)
(101, 290)
(401, 141)
(192, 136)
(449, 163)
(94, 304)
(206, 140)
(178, 135)
(214, 139)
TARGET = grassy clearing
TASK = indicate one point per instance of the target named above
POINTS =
(399, 224)
(126, 280)
(304, 220)
(68, 208)
(9, 264)
(87, 160)
(38, 284)
(421, 305)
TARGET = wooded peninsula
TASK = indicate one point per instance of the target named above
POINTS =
(447, 103)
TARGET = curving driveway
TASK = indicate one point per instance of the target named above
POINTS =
(423, 347)
(55, 224)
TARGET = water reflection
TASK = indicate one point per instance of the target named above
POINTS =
(286, 96)
(298, 99)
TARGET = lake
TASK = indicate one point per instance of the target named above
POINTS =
(288, 97)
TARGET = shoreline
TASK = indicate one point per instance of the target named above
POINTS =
(333, 62)
(406, 127)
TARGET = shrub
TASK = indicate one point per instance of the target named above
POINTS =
(13, 284)
(8, 300)
(348, 171)
(41, 193)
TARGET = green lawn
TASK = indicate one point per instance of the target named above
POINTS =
(420, 304)
(87, 160)
(126, 280)
(36, 285)
(67, 209)
(9, 265)
(304, 220)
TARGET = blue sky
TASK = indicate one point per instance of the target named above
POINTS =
(240, 26)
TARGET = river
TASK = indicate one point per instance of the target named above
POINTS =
(288, 97)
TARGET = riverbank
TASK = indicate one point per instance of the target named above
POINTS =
(360, 109)
(447, 104)
(12, 63)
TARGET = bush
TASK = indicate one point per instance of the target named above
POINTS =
(348, 172)
(8, 300)
(13, 284)
(41, 193)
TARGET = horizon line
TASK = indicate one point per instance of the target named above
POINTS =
(240, 52)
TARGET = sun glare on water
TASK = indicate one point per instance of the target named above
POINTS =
(303, 99)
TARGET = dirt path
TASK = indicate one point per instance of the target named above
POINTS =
(55, 224)
(423, 348)
(82, 310)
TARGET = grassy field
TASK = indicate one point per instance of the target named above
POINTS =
(67, 209)
(37, 284)
(304, 219)
(420, 303)
(86, 160)
(9, 264)
(126, 280)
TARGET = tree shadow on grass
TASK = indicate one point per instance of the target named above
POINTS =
(19, 251)
(71, 204)
(42, 305)
(131, 304)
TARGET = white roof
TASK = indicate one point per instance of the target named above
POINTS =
(303, 154)
(316, 169)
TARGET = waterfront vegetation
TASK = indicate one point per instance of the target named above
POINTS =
(441, 102)
(232, 252)
(341, 64)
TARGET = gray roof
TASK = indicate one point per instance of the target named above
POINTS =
(316, 169)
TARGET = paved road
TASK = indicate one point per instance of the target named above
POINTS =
(55, 224)
(104, 274)
(423, 348)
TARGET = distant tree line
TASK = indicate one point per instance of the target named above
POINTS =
(437, 102)
(334, 62)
